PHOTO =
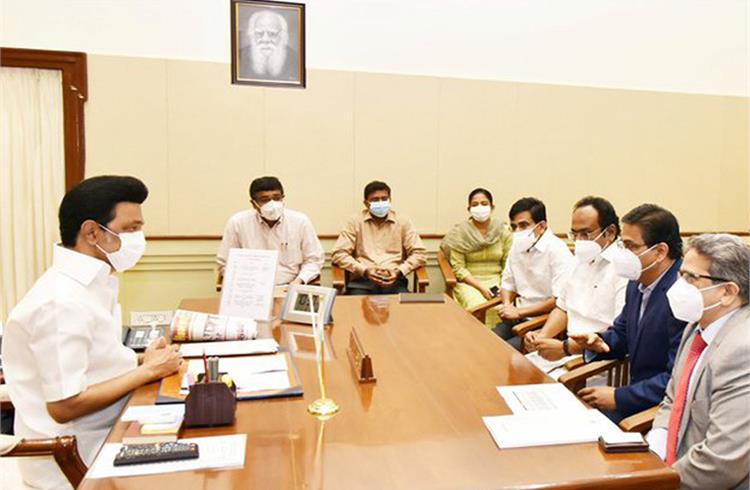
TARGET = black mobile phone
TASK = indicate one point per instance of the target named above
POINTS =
(495, 290)
(623, 447)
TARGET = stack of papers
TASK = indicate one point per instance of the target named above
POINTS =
(257, 373)
(220, 452)
(230, 348)
(544, 415)
(547, 428)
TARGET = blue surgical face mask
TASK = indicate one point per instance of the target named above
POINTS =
(380, 209)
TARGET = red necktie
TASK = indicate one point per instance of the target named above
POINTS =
(678, 405)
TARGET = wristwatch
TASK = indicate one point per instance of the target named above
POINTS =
(565, 347)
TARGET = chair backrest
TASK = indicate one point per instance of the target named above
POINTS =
(64, 449)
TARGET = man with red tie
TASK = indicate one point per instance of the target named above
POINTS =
(702, 427)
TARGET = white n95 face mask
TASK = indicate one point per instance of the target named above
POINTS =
(132, 247)
(524, 240)
(480, 213)
(272, 210)
(588, 250)
(686, 300)
(628, 265)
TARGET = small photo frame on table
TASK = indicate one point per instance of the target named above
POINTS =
(296, 306)
(268, 43)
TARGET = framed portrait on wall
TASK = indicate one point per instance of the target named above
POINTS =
(268, 43)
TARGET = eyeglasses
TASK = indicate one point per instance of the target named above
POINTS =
(633, 247)
(266, 199)
(692, 277)
(582, 235)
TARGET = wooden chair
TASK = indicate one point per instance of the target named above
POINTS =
(339, 278)
(618, 374)
(448, 276)
(480, 313)
(64, 449)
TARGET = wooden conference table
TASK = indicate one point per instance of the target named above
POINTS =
(419, 426)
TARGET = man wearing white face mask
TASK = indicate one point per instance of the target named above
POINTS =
(67, 370)
(477, 249)
(538, 268)
(269, 226)
(594, 293)
(378, 247)
(702, 428)
(646, 331)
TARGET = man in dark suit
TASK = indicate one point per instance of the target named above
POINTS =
(646, 330)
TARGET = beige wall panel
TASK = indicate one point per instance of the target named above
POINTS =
(126, 128)
(310, 146)
(215, 145)
(396, 140)
(735, 150)
(476, 146)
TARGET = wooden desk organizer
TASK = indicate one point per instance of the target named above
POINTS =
(210, 405)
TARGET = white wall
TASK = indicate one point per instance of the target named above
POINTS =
(694, 46)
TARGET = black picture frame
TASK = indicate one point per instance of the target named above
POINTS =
(273, 54)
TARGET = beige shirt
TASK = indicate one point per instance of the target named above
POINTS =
(64, 336)
(293, 235)
(391, 243)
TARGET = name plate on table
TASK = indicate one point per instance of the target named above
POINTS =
(360, 361)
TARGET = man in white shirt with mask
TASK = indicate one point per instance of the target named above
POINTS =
(702, 427)
(269, 226)
(66, 368)
(594, 294)
(537, 269)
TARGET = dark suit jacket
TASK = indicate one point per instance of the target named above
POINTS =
(651, 344)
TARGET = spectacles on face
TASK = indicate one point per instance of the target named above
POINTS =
(693, 277)
(633, 247)
(583, 235)
(261, 34)
(266, 199)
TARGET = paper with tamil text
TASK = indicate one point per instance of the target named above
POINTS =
(248, 286)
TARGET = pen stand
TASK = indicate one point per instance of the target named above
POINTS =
(210, 405)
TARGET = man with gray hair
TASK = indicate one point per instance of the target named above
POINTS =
(702, 427)
(265, 53)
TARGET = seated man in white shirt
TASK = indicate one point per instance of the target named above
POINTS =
(66, 368)
(594, 294)
(536, 271)
(269, 226)
(702, 427)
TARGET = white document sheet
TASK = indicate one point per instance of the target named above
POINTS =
(230, 348)
(220, 452)
(248, 373)
(539, 397)
(549, 367)
(247, 383)
(153, 414)
(548, 428)
(248, 287)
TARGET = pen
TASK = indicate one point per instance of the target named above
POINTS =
(205, 367)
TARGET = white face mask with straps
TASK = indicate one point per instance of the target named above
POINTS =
(686, 300)
(588, 250)
(628, 265)
(132, 247)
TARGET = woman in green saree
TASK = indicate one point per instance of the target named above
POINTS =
(477, 250)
